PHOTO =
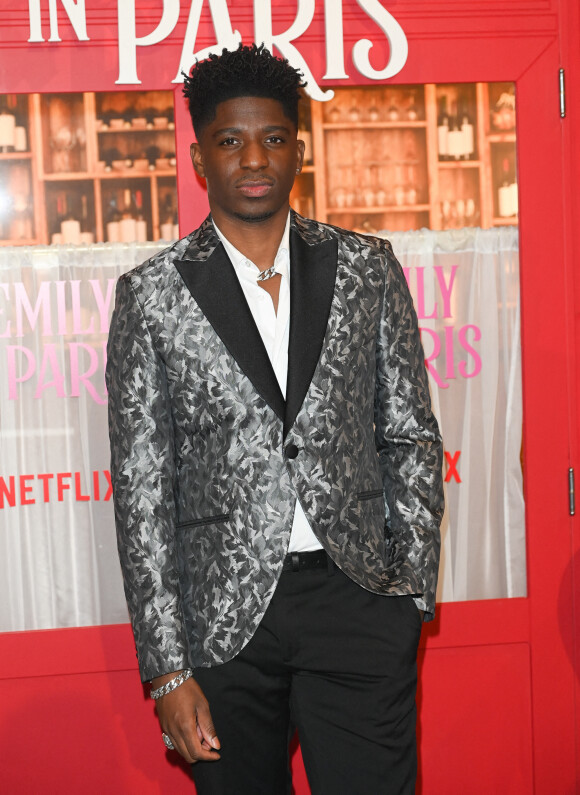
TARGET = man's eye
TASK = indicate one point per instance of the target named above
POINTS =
(274, 139)
(229, 141)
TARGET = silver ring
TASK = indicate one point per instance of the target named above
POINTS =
(167, 740)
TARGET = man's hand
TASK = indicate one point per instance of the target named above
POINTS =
(184, 715)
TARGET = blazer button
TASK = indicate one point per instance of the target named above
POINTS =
(291, 451)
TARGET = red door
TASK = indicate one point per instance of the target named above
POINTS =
(497, 695)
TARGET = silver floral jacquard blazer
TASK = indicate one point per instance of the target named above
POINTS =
(204, 487)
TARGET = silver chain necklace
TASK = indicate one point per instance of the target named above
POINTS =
(267, 274)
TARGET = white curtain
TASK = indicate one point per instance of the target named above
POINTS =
(58, 562)
(58, 565)
(465, 284)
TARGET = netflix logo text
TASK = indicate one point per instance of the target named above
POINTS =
(16, 490)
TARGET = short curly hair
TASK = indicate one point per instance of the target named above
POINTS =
(249, 71)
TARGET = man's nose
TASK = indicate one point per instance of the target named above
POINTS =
(254, 155)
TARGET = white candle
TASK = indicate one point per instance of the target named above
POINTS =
(505, 201)
(113, 232)
(7, 129)
(128, 230)
(20, 142)
(167, 231)
(71, 231)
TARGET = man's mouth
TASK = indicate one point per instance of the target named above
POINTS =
(255, 188)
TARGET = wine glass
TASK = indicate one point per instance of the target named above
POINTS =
(400, 193)
(62, 143)
(412, 109)
(411, 192)
(354, 114)
(334, 114)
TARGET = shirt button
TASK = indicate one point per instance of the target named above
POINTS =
(291, 451)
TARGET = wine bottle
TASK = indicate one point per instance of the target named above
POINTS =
(128, 116)
(152, 153)
(505, 201)
(443, 130)
(84, 213)
(128, 222)
(56, 237)
(113, 222)
(70, 227)
(167, 229)
(468, 140)
(109, 156)
(169, 113)
(87, 235)
(104, 120)
(140, 222)
(455, 137)
(149, 113)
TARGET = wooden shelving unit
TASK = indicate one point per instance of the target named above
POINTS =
(372, 171)
(373, 161)
(87, 153)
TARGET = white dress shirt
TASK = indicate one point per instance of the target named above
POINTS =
(274, 329)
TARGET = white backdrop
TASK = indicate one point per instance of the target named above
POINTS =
(58, 562)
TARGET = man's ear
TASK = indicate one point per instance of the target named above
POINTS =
(197, 159)
(300, 155)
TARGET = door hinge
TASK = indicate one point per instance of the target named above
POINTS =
(562, 81)
(571, 492)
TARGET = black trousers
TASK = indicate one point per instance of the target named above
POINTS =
(339, 664)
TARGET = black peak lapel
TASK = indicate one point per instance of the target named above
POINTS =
(213, 283)
(312, 279)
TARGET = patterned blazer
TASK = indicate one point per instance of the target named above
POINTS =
(208, 458)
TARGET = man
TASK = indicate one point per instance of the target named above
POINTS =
(276, 467)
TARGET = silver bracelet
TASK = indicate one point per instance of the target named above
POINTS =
(172, 684)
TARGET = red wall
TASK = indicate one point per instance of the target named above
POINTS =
(89, 726)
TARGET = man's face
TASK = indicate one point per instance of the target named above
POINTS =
(249, 157)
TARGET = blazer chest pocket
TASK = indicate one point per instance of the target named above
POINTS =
(369, 495)
(217, 518)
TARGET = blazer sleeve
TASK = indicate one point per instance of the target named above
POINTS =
(143, 476)
(408, 441)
